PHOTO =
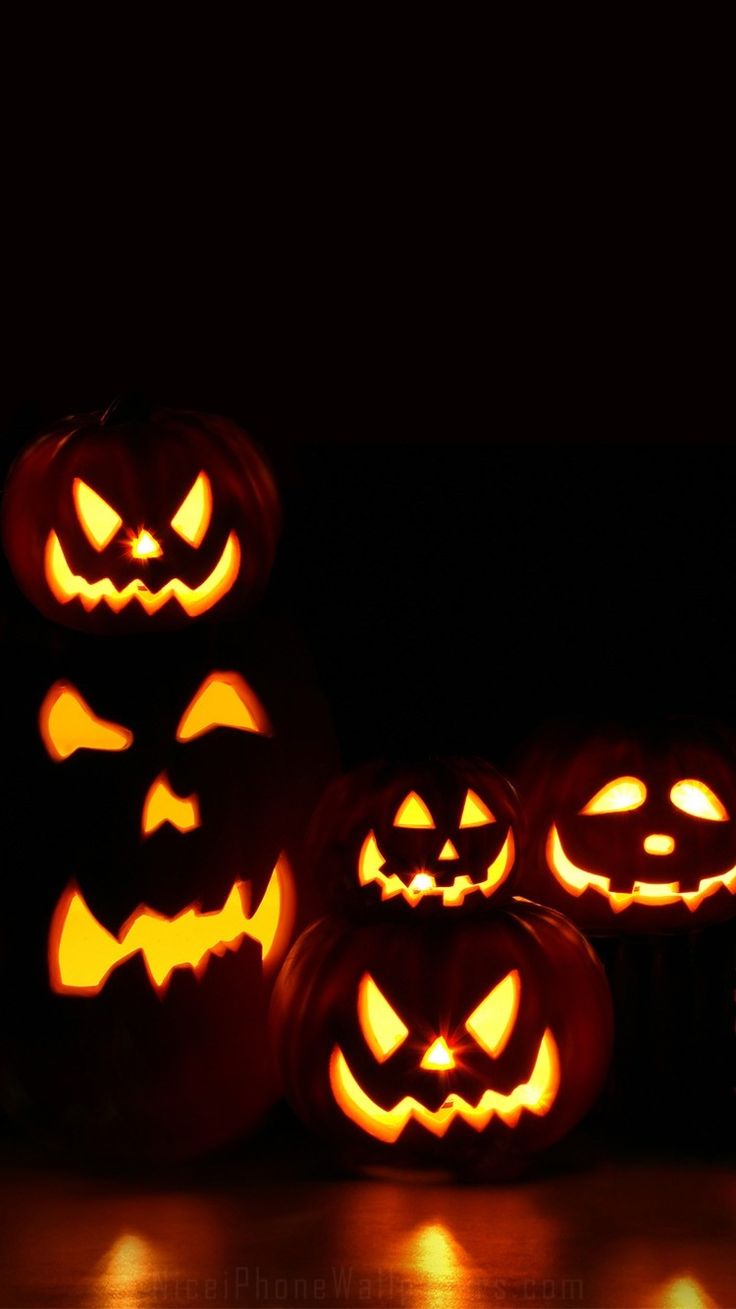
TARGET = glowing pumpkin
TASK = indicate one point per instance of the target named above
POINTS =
(438, 835)
(634, 831)
(468, 1042)
(158, 823)
(140, 520)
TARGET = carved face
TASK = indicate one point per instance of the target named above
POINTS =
(441, 835)
(83, 952)
(433, 1039)
(637, 836)
(118, 526)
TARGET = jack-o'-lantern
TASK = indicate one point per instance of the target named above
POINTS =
(438, 835)
(467, 1043)
(164, 809)
(634, 831)
(140, 520)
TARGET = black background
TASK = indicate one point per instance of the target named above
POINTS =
(473, 300)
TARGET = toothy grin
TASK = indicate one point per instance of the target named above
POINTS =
(577, 880)
(423, 883)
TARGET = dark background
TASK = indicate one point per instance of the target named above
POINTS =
(474, 302)
(472, 295)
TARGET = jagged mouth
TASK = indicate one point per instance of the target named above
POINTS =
(194, 600)
(423, 883)
(577, 880)
(537, 1095)
(83, 954)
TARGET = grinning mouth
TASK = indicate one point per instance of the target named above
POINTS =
(370, 869)
(66, 585)
(577, 880)
(83, 954)
(537, 1095)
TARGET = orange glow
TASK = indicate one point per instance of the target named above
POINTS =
(66, 585)
(537, 1095)
(413, 812)
(223, 700)
(192, 518)
(145, 546)
(576, 880)
(616, 797)
(697, 799)
(162, 805)
(492, 1022)
(67, 723)
(684, 1293)
(83, 954)
(380, 1024)
(448, 851)
(475, 812)
(439, 1056)
(422, 882)
(659, 843)
(99, 520)
(371, 863)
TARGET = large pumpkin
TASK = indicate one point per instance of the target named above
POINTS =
(633, 830)
(467, 1043)
(436, 836)
(140, 520)
(156, 829)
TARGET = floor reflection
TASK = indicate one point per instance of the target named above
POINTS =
(621, 1237)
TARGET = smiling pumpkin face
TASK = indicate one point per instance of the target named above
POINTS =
(439, 835)
(636, 834)
(462, 1042)
(118, 524)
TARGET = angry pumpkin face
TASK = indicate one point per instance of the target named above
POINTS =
(481, 1035)
(83, 952)
(636, 834)
(118, 523)
(439, 835)
(154, 828)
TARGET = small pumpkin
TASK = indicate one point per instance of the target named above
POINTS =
(140, 519)
(465, 1043)
(436, 836)
(633, 830)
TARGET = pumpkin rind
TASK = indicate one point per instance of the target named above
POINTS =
(434, 975)
(143, 470)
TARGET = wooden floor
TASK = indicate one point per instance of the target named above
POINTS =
(615, 1235)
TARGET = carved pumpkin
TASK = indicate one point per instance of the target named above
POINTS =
(634, 831)
(434, 836)
(467, 1042)
(164, 807)
(138, 520)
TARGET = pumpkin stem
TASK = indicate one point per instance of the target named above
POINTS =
(131, 407)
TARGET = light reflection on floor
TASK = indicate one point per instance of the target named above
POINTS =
(629, 1237)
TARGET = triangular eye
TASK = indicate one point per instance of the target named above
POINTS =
(475, 812)
(492, 1022)
(192, 518)
(413, 812)
(67, 724)
(617, 797)
(381, 1026)
(697, 799)
(223, 700)
(98, 518)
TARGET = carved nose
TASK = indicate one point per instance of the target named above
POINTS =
(145, 546)
(448, 851)
(658, 843)
(438, 1056)
(162, 805)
